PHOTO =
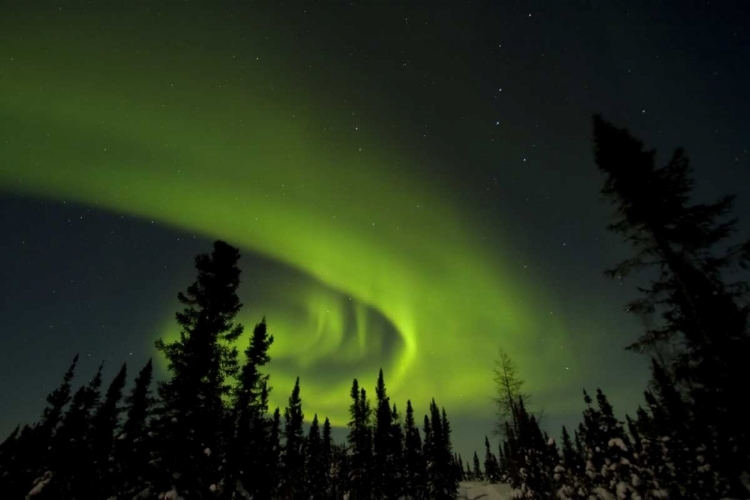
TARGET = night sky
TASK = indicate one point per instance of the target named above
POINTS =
(411, 185)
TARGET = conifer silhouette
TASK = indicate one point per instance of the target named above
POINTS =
(699, 311)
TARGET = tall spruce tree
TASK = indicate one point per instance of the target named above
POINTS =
(532, 461)
(491, 467)
(71, 457)
(269, 483)
(611, 466)
(247, 427)
(568, 472)
(340, 465)
(201, 361)
(477, 471)
(57, 400)
(132, 448)
(315, 465)
(442, 479)
(429, 450)
(397, 450)
(414, 462)
(104, 424)
(702, 314)
(384, 486)
(292, 455)
(452, 477)
(462, 475)
(327, 459)
(360, 443)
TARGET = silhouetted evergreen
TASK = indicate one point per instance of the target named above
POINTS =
(477, 474)
(428, 449)
(247, 427)
(442, 478)
(491, 466)
(360, 444)
(384, 471)
(132, 447)
(397, 451)
(292, 453)
(702, 315)
(269, 481)
(192, 414)
(57, 400)
(71, 457)
(105, 421)
(315, 465)
(531, 459)
(340, 472)
(460, 465)
(327, 451)
(568, 471)
(414, 461)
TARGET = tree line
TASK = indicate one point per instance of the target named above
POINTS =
(202, 436)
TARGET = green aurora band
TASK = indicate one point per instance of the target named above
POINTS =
(385, 266)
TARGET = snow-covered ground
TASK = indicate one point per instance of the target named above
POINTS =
(470, 490)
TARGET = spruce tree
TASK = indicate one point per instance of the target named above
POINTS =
(247, 426)
(340, 471)
(429, 451)
(491, 468)
(292, 456)
(452, 477)
(360, 442)
(315, 466)
(57, 400)
(442, 478)
(611, 466)
(680, 459)
(567, 473)
(397, 450)
(477, 472)
(701, 311)
(132, 447)
(327, 458)
(71, 456)
(533, 461)
(192, 414)
(384, 486)
(269, 484)
(414, 463)
(104, 423)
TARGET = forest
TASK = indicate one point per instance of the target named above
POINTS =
(207, 430)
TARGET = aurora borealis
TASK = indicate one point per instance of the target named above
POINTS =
(410, 186)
